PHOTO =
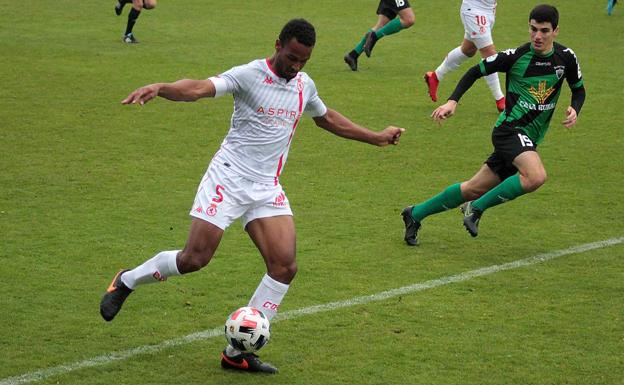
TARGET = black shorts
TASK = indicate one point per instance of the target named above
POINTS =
(390, 8)
(508, 144)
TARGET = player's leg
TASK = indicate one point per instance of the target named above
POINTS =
(149, 4)
(481, 35)
(520, 168)
(217, 204)
(351, 57)
(119, 6)
(389, 23)
(204, 238)
(492, 80)
(451, 62)
(275, 239)
(134, 14)
(610, 5)
(449, 198)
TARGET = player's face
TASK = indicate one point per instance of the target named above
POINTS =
(290, 58)
(542, 36)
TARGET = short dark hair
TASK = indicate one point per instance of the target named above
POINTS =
(545, 13)
(300, 29)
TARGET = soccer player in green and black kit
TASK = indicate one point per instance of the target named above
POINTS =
(535, 73)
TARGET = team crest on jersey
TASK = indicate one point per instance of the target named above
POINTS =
(299, 84)
(541, 93)
(559, 71)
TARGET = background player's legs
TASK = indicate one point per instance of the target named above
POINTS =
(386, 27)
(492, 80)
(119, 6)
(351, 57)
(134, 14)
(451, 62)
(455, 58)
(275, 239)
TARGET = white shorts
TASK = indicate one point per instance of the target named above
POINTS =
(478, 24)
(224, 196)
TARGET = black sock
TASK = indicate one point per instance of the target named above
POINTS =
(353, 54)
(132, 18)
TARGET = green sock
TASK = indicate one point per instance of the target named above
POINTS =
(507, 190)
(360, 47)
(393, 26)
(449, 198)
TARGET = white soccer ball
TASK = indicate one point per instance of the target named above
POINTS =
(247, 329)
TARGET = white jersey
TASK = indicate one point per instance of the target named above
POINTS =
(481, 4)
(267, 109)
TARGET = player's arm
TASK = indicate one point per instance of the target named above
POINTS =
(336, 123)
(448, 109)
(575, 81)
(185, 90)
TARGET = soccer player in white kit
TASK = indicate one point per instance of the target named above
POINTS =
(242, 180)
(478, 17)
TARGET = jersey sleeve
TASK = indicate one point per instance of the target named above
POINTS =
(232, 81)
(315, 106)
(499, 62)
(573, 74)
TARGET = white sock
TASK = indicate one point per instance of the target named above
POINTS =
(494, 84)
(268, 296)
(453, 60)
(158, 268)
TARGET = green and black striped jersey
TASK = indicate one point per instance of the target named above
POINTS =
(533, 85)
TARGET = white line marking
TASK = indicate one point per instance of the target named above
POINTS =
(105, 359)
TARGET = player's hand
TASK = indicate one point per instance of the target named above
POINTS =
(570, 119)
(142, 95)
(444, 111)
(391, 135)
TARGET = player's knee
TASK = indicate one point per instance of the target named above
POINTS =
(470, 192)
(149, 4)
(408, 21)
(191, 260)
(284, 273)
(535, 181)
(469, 51)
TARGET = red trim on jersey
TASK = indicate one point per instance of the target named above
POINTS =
(281, 159)
(271, 67)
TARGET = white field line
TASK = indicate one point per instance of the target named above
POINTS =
(105, 359)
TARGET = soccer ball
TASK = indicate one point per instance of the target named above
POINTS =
(247, 329)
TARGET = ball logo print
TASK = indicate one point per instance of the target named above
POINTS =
(247, 329)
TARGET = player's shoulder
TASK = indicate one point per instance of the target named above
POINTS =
(516, 52)
(563, 50)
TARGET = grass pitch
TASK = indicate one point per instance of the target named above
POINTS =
(88, 186)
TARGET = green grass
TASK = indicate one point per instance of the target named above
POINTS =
(88, 186)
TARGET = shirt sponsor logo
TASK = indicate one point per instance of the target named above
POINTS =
(541, 93)
(276, 111)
